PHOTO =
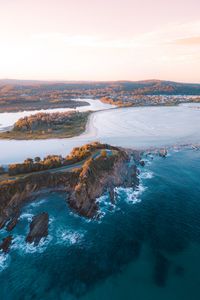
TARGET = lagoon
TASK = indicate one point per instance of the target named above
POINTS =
(135, 127)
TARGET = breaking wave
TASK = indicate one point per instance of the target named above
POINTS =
(4, 261)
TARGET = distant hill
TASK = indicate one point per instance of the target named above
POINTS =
(143, 87)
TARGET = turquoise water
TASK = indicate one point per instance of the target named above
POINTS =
(147, 246)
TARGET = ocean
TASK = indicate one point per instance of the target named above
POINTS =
(146, 246)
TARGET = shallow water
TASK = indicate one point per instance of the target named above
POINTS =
(139, 127)
(147, 246)
(9, 118)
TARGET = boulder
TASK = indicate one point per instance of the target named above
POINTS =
(38, 228)
(6, 243)
(142, 163)
(162, 152)
(13, 222)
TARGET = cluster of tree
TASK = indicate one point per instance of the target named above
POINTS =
(2, 170)
(47, 121)
(93, 168)
(34, 165)
(83, 152)
(78, 154)
(108, 100)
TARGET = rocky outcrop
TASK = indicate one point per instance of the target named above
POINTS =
(13, 222)
(14, 194)
(38, 228)
(6, 243)
(163, 152)
(103, 171)
(142, 163)
(99, 175)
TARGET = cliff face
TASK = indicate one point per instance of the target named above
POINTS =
(5, 244)
(97, 176)
(15, 193)
(102, 172)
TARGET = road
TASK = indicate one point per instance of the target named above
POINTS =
(56, 170)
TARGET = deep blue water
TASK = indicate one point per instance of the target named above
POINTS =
(146, 247)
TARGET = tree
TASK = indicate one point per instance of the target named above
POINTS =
(2, 170)
(37, 159)
(28, 161)
(103, 153)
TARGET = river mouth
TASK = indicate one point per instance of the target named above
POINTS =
(139, 127)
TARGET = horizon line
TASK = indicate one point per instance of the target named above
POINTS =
(93, 81)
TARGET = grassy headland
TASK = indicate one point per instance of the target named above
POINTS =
(48, 125)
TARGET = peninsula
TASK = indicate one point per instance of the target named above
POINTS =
(48, 125)
(84, 175)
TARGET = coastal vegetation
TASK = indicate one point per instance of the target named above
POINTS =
(48, 125)
(118, 103)
(31, 95)
(78, 154)
(105, 168)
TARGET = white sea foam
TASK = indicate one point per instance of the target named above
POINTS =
(27, 216)
(148, 162)
(20, 245)
(37, 203)
(4, 261)
(146, 175)
(105, 206)
(51, 220)
(131, 195)
(70, 237)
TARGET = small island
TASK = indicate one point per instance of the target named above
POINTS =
(48, 125)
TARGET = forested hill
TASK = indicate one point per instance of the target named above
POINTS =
(146, 87)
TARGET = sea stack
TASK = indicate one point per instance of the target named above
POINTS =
(38, 228)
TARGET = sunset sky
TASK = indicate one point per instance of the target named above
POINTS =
(100, 39)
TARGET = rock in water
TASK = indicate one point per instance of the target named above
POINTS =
(163, 152)
(142, 163)
(38, 228)
(112, 195)
(13, 222)
(5, 245)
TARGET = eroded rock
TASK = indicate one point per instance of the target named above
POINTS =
(99, 175)
(163, 152)
(142, 163)
(5, 245)
(38, 228)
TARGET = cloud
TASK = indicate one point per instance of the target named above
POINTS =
(190, 41)
(173, 33)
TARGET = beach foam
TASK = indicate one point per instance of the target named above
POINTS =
(4, 261)
(19, 244)
(69, 237)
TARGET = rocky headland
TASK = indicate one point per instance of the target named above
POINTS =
(86, 174)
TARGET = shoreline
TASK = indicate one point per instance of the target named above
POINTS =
(41, 147)
(90, 118)
(71, 124)
(81, 103)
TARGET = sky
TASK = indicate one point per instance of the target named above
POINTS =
(100, 39)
